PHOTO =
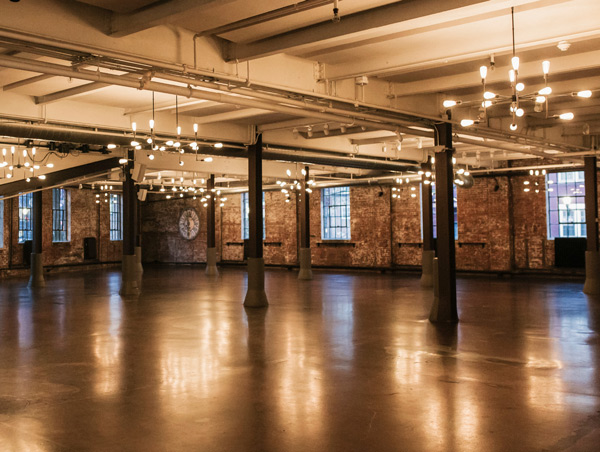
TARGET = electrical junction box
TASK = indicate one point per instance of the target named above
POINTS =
(362, 80)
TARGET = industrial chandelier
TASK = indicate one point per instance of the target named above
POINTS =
(517, 97)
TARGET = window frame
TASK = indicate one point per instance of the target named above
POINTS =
(61, 214)
(25, 203)
(245, 206)
(341, 201)
(576, 193)
(115, 217)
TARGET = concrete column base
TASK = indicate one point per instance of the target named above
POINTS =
(256, 296)
(305, 264)
(37, 271)
(592, 273)
(211, 262)
(427, 268)
(129, 276)
(434, 315)
(138, 258)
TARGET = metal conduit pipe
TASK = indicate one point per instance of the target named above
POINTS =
(189, 92)
(40, 132)
(102, 139)
(28, 37)
(20, 36)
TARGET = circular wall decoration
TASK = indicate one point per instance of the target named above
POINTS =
(189, 224)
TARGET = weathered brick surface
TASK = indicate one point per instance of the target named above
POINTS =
(406, 221)
(88, 219)
(370, 231)
(483, 226)
(533, 250)
(161, 240)
(494, 216)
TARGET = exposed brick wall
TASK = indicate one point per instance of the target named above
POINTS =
(532, 247)
(161, 240)
(500, 228)
(406, 221)
(88, 219)
(483, 225)
(370, 230)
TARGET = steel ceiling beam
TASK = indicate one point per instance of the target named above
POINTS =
(381, 16)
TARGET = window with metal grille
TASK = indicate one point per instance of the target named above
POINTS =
(435, 212)
(335, 213)
(25, 217)
(116, 217)
(246, 216)
(565, 204)
(60, 215)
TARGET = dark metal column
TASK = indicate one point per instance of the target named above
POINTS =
(427, 208)
(256, 296)
(444, 306)
(211, 250)
(37, 267)
(592, 258)
(305, 256)
(129, 280)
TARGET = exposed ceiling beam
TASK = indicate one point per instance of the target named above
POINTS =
(382, 16)
(231, 115)
(62, 176)
(156, 14)
(71, 92)
(27, 81)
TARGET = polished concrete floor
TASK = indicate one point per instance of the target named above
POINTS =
(346, 362)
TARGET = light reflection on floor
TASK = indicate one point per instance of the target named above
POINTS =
(344, 362)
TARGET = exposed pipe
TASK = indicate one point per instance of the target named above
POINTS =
(290, 155)
(20, 36)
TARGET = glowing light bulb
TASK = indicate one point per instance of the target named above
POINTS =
(133, 126)
(151, 124)
(566, 116)
(449, 103)
(195, 128)
(208, 159)
(586, 93)
(486, 103)
(111, 146)
(218, 145)
(151, 156)
(520, 86)
(178, 130)
(515, 63)
(467, 122)
(540, 99)
(546, 67)
(483, 72)
(489, 95)
(520, 112)
(513, 127)
(42, 176)
(545, 91)
(288, 172)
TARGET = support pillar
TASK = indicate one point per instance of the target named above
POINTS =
(138, 236)
(256, 296)
(592, 257)
(444, 308)
(129, 276)
(428, 248)
(211, 249)
(36, 278)
(305, 256)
